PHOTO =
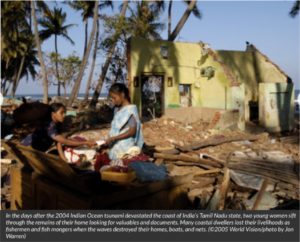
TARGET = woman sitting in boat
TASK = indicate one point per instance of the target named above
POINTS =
(43, 137)
(126, 129)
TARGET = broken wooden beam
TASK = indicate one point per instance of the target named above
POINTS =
(104, 201)
(223, 189)
(212, 141)
(205, 172)
(260, 194)
(188, 158)
(217, 140)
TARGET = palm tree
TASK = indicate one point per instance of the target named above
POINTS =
(15, 31)
(144, 21)
(14, 28)
(25, 64)
(191, 8)
(89, 82)
(85, 58)
(40, 54)
(17, 44)
(87, 12)
(109, 56)
(53, 24)
(170, 18)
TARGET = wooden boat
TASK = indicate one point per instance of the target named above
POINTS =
(43, 181)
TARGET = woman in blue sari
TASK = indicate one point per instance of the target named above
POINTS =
(126, 131)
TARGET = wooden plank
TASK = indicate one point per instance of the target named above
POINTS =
(211, 171)
(52, 167)
(22, 194)
(260, 194)
(223, 189)
(212, 141)
(159, 161)
(188, 158)
(105, 201)
(217, 140)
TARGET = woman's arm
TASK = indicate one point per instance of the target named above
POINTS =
(61, 139)
(61, 152)
(130, 133)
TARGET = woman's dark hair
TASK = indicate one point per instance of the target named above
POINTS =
(120, 88)
(54, 107)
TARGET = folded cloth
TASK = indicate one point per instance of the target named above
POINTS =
(147, 171)
(75, 155)
(132, 151)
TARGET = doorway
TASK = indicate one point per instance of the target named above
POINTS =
(185, 93)
(152, 93)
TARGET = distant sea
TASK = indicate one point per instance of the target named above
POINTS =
(297, 92)
(40, 96)
(81, 96)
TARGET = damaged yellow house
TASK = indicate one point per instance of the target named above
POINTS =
(184, 80)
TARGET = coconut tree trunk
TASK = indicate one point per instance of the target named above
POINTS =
(65, 91)
(170, 18)
(88, 85)
(3, 86)
(56, 66)
(107, 61)
(85, 59)
(182, 21)
(17, 80)
(86, 35)
(7, 89)
(40, 55)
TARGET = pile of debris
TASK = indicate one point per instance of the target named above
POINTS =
(231, 169)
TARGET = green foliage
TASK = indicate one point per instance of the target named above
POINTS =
(87, 7)
(143, 21)
(15, 31)
(18, 54)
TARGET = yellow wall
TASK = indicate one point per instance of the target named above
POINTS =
(183, 65)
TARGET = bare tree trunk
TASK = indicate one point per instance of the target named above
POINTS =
(56, 66)
(17, 80)
(3, 85)
(65, 91)
(86, 34)
(170, 18)
(7, 89)
(182, 21)
(88, 85)
(40, 55)
(85, 59)
(107, 61)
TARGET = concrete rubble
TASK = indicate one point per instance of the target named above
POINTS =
(229, 174)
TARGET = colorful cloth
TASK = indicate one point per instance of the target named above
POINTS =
(119, 125)
(75, 155)
(101, 160)
(147, 171)
(140, 157)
